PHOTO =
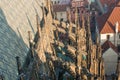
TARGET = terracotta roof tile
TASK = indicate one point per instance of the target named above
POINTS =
(108, 45)
(107, 22)
(102, 19)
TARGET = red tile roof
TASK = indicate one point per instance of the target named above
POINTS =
(108, 45)
(60, 7)
(107, 21)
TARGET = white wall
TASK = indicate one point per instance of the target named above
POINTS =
(110, 60)
(62, 15)
(103, 37)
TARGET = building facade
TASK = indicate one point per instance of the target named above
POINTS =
(109, 27)
(61, 11)
(109, 35)
(110, 55)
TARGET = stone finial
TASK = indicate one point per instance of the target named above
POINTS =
(38, 25)
(76, 16)
(83, 21)
(30, 36)
(69, 16)
(48, 3)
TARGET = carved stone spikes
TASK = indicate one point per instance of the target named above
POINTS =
(97, 39)
(53, 50)
(38, 25)
(88, 20)
(76, 16)
(43, 9)
(49, 5)
(83, 21)
(37, 19)
(30, 36)
(68, 16)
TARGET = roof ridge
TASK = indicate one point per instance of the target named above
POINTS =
(109, 45)
(110, 12)
(107, 18)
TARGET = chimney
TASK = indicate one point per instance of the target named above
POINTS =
(116, 32)
(116, 27)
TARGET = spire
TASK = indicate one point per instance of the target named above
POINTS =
(97, 39)
(68, 16)
(38, 26)
(49, 6)
(43, 11)
(77, 23)
(49, 15)
(76, 16)
(88, 29)
(83, 21)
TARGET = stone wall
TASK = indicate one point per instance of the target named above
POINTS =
(17, 17)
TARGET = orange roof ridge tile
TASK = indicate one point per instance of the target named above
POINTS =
(107, 26)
